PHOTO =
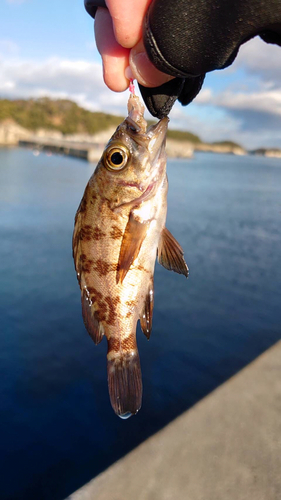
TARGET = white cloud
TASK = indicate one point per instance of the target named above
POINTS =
(252, 119)
(262, 101)
(204, 96)
(59, 78)
(249, 97)
(250, 114)
(208, 126)
(261, 93)
(260, 59)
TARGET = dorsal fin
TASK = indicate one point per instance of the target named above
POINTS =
(147, 312)
(170, 253)
(133, 237)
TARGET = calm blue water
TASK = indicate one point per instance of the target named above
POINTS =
(57, 427)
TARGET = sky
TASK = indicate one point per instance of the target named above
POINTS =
(47, 48)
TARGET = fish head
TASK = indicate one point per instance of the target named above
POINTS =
(133, 164)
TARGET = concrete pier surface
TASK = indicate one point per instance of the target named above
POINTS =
(226, 447)
(84, 151)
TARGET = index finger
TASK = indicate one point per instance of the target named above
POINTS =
(127, 17)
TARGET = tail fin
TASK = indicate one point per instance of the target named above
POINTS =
(124, 382)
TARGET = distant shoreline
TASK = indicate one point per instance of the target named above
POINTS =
(61, 126)
(55, 122)
(90, 147)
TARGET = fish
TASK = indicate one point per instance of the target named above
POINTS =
(119, 232)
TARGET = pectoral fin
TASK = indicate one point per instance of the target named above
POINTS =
(170, 253)
(133, 237)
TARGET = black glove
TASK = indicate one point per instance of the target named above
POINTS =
(188, 38)
(92, 5)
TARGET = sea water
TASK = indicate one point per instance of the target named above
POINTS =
(57, 427)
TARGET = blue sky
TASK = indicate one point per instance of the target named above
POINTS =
(47, 48)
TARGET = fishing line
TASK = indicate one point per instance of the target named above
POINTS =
(131, 86)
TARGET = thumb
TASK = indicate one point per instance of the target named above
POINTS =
(143, 70)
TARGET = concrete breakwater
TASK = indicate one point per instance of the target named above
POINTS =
(87, 147)
(80, 146)
(90, 152)
(90, 147)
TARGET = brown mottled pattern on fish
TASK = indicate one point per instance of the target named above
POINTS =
(119, 226)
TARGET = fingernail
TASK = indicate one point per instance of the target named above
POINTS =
(144, 71)
(129, 74)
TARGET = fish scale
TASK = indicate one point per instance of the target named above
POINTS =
(119, 229)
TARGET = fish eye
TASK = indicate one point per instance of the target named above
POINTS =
(116, 158)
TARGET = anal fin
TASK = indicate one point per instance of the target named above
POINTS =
(170, 253)
(133, 237)
(93, 326)
(147, 312)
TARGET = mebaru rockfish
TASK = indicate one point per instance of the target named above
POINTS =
(119, 229)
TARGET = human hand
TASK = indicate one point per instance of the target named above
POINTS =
(183, 39)
(119, 41)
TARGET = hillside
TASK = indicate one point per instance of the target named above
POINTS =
(61, 119)
(62, 115)
(181, 135)
(67, 117)
(229, 144)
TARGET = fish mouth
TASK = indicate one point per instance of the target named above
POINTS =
(157, 138)
(157, 141)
